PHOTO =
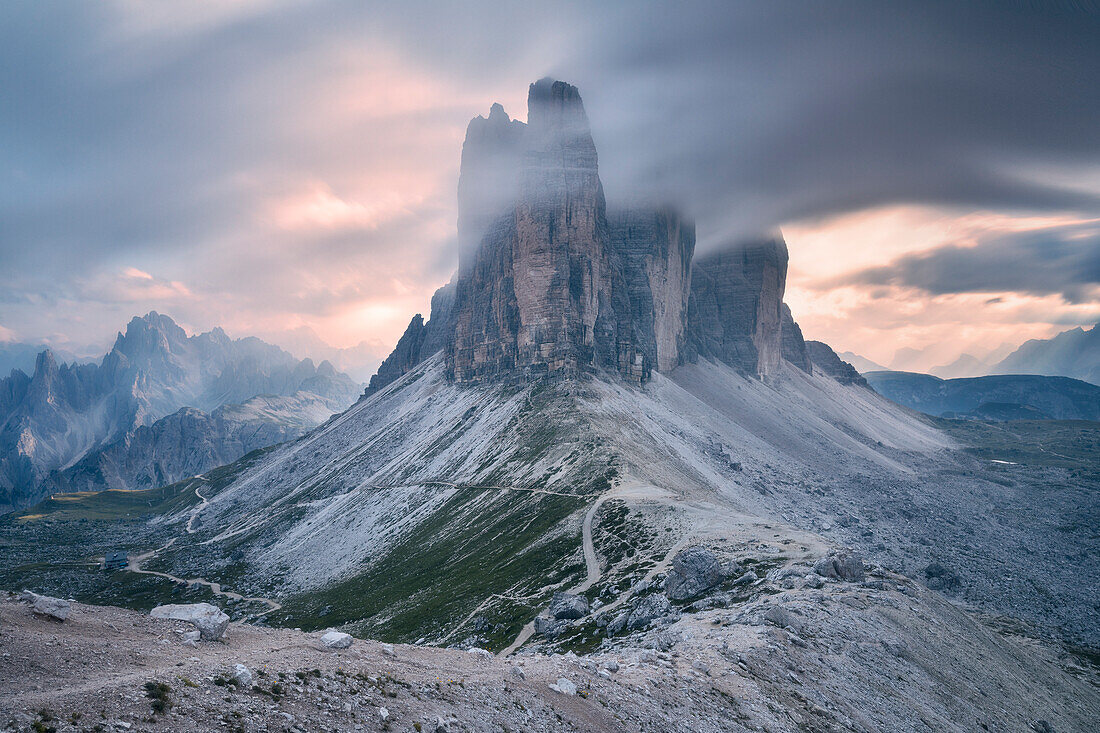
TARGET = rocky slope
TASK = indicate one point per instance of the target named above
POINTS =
(62, 413)
(993, 397)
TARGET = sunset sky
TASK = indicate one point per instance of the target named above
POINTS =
(279, 167)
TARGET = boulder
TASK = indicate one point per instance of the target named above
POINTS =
(618, 623)
(651, 608)
(336, 640)
(938, 577)
(694, 571)
(843, 566)
(209, 620)
(550, 627)
(52, 607)
(568, 606)
(564, 686)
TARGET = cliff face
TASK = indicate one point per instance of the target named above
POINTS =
(543, 292)
(736, 310)
(656, 247)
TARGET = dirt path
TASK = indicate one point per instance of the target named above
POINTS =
(591, 560)
(216, 588)
(195, 512)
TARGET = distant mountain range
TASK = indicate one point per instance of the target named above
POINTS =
(996, 397)
(861, 363)
(1074, 353)
(121, 423)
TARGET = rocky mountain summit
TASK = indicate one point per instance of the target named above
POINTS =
(64, 418)
(552, 282)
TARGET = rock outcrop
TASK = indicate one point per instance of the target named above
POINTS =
(825, 359)
(419, 341)
(550, 283)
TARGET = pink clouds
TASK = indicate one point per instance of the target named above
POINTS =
(878, 320)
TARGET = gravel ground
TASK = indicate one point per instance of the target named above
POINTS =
(885, 654)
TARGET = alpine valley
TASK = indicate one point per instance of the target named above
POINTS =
(605, 485)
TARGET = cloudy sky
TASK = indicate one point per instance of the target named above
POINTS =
(288, 169)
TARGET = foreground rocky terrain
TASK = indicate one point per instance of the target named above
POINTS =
(809, 653)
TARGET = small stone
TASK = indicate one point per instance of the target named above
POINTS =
(387, 649)
(242, 675)
(700, 666)
(383, 713)
(518, 672)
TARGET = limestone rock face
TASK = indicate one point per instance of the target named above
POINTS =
(656, 247)
(543, 292)
(736, 305)
(825, 359)
(491, 160)
(550, 283)
(793, 346)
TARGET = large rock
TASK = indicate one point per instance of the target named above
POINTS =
(655, 247)
(568, 606)
(650, 609)
(209, 620)
(336, 640)
(842, 566)
(52, 607)
(694, 571)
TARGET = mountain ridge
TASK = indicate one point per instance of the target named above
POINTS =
(61, 413)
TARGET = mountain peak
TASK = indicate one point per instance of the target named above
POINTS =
(45, 364)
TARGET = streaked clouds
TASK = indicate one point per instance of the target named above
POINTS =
(280, 166)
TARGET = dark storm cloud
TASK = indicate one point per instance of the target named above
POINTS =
(755, 115)
(1063, 261)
